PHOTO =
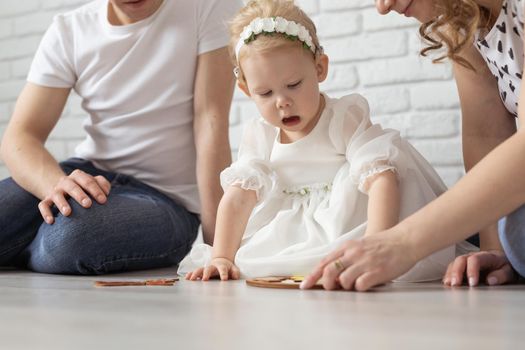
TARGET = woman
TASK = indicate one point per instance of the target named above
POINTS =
(484, 41)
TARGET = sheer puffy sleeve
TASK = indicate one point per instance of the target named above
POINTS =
(368, 148)
(252, 169)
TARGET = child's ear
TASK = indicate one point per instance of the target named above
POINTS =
(321, 64)
(244, 88)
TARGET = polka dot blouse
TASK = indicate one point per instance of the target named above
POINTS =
(502, 49)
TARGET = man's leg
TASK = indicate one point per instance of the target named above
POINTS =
(512, 237)
(19, 220)
(137, 228)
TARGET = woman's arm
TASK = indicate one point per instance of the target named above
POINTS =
(485, 121)
(213, 94)
(383, 202)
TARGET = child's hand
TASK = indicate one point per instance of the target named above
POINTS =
(493, 263)
(222, 267)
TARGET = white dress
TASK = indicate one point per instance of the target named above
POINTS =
(311, 193)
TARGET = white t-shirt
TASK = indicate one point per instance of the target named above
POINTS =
(136, 83)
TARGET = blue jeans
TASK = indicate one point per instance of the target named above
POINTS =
(137, 228)
(512, 237)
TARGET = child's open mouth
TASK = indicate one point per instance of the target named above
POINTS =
(290, 121)
(135, 3)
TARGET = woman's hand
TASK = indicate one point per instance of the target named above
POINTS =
(493, 263)
(364, 263)
(78, 185)
(222, 267)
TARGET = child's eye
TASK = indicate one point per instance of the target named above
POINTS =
(266, 94)
(295, 84)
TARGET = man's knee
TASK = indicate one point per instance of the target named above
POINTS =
(68, 246)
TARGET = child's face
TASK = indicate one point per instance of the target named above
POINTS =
(422, 10)
(284, 84)
(130, 11)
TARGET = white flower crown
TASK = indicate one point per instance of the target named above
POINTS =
(269, 25)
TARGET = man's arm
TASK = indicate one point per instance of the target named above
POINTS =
(36, 113)
(213, 94)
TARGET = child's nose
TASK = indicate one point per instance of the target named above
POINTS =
(384, 6)
(283, 101)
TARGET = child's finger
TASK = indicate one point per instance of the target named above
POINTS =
(208, 272)
(236, 273)
(223, 272)
(196, 274)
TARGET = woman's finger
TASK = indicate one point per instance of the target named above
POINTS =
(447, 277)
(458, 270)
(473, 270)
(368, 280)
(318, 272)
(332, 272)
(348, 277)
(502, 276)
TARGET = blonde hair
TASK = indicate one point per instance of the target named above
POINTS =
(269, 8)
(454, 28)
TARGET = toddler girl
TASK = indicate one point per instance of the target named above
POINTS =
(313, 171)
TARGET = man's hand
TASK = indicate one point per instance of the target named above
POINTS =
(78, 185)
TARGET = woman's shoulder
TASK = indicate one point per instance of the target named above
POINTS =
(517, 7)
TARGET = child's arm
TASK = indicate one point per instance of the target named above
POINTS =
(233, 213)
(383, 202)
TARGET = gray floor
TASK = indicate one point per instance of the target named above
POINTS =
(67, 312)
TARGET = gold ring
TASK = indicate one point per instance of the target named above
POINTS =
(339, 265)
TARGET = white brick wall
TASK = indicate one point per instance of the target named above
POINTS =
(371, 54)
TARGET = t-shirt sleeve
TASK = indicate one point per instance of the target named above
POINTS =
(52, 65)
(213, 17)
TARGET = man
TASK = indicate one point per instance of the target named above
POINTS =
(155, 78)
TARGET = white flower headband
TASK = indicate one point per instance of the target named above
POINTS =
(268, 25)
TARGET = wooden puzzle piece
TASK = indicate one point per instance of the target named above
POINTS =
(154, 282)
(279, 282)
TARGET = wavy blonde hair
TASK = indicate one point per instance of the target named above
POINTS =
(268, 8)
(454, 28)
